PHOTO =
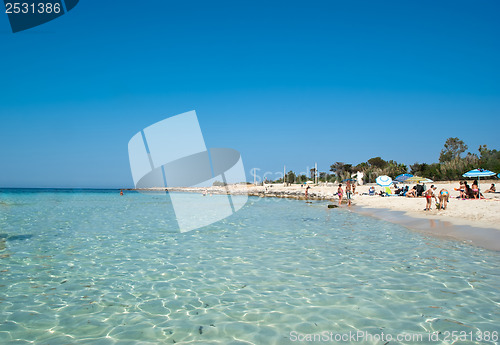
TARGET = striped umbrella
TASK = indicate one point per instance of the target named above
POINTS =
(478, 173)
(403, 177)
(384, 181)
(418, 179)
(349, 179)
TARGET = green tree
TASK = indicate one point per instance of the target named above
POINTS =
(418, 169)
(302, 178)
(453, 148)
(337, 166)
(290, 177)
(377, 162)
(312, 173)
(489, 159)
(361, 167)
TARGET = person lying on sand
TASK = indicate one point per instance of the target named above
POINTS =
(492, 189)
(429, 194)
(412, 193)
(443, 199)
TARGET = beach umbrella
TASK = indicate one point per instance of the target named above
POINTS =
(478, 173)
(418, 179)
(403, 177)
(384, 181)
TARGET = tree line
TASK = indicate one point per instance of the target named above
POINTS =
(453, 163)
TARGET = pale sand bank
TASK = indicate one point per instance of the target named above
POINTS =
(488, 238)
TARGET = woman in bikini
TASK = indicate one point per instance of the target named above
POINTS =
(492, 189)
(340, 193)
(475, 189)
(412, 193)
(443, 199)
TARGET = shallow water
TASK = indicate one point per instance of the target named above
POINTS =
(96, 268)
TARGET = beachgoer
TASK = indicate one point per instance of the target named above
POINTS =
(443, 198)
(475, 189)
(492, 189)
(406, 190)
(412, 193)
(462, 190)
(121, 191)
(307, 190)
(371, 191)
(353, 188)
(429, 194)
(348, 193)
(340, 193)
(467, 191)
(419, 189)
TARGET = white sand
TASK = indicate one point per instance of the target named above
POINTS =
(477, 213)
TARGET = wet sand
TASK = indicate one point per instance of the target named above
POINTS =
(487, 238)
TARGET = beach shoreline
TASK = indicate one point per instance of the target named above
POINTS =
(474, 221)
(484, 237)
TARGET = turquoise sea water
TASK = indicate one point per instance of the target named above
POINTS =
(81, 267)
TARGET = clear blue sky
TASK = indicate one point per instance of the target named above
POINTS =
(283, 82)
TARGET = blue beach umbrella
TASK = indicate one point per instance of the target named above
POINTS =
(479, 173)
(403, 177)
(384, 181)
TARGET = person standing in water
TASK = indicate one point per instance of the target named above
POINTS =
(348, 192)
(340, 193)
(307, 190)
